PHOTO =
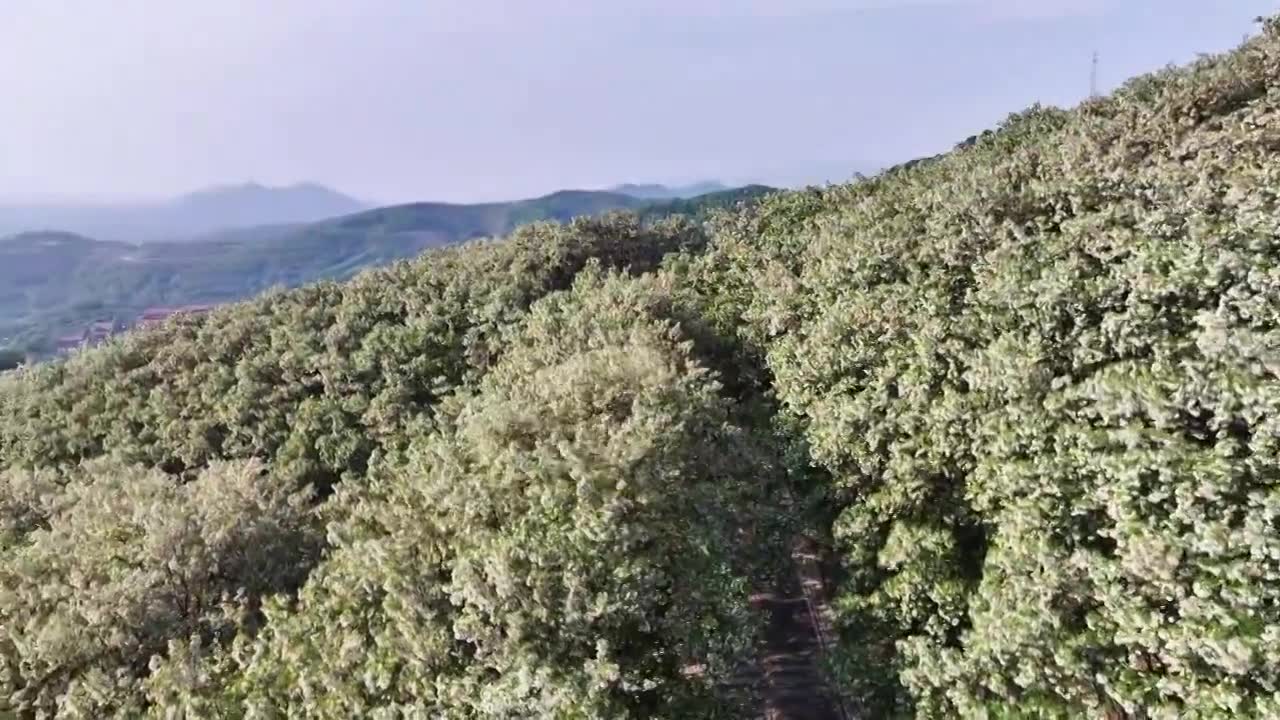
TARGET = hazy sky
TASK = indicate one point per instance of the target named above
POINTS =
(397, 100)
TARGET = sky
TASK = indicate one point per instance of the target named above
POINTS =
(474, 100)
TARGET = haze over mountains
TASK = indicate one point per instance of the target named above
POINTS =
(654, 191)
(231, 208)
(198, 213)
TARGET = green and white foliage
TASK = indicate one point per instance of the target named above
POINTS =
(567, 544)
(1031, 389)
(102, 565)
(316, 379)
(1044, 373)
(321, 385)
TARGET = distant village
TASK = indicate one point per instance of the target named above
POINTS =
(103, 329)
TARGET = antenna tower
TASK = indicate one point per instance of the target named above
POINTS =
(1093, 76)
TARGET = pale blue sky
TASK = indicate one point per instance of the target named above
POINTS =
(397, 100)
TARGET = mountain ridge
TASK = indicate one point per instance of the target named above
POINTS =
(187, 216)
(659, 191)
(53, 283)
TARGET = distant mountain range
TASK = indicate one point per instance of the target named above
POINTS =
(226, 211)
(664, 192)
(56, 283)
(186, 217)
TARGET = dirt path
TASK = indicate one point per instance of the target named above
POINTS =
(792, 687)
(788, 678)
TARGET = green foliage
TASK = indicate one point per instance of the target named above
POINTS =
(1043, 374)
(103, 564)
(567, 545)
(702, 207)
(1030, 389)
(333, 383)
(314, 379)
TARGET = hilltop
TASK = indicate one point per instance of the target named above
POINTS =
(1019, 403)
(251, 204)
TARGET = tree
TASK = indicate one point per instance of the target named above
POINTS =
(1041, 374)
(104, 565)
(565, 545)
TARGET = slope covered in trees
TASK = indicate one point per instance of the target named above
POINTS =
(1042, 375)
(54, 284)
(1028, 393)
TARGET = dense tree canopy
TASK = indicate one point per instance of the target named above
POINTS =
(1042, 373)
(1029, 391)
(567, 543)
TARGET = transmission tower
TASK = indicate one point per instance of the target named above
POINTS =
(1093, 76)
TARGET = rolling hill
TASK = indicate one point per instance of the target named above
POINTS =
(59, 283)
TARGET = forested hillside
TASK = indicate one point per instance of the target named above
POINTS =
(1027, 394)
(54, 283)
